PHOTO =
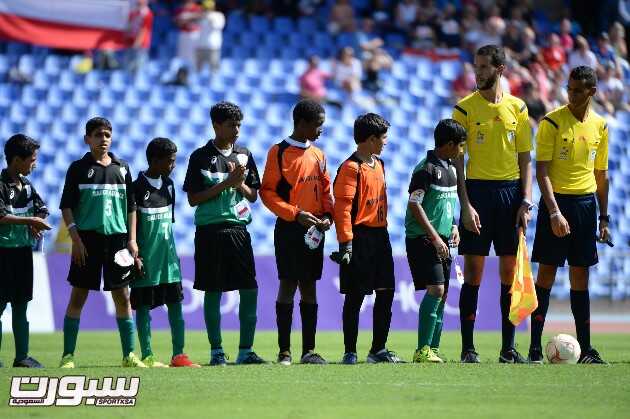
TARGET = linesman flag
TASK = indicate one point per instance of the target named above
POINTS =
(524, 300)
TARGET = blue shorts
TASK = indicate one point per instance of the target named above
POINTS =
(579, 247)
(497, 203)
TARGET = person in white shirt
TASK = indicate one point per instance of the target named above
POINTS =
(210, 37)
(582, 54)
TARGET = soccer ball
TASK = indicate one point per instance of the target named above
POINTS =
(563, 349)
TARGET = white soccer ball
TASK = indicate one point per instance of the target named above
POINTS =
(563, 349)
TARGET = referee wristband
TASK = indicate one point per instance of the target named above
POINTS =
(71, 226)
(554, 214)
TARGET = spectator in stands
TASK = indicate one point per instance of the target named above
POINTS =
(553, 54)
(187, 20)
(342, 17)
(381, 14)
(406, 12)
(313, 83)
(140, 30)
(566, 35)
(309, 7)
(512, 40)
(448, 28)
(582, 54)
(617, 34)
(610, 89)
(367, 38)
(347, 71)
(423, 35)
(604, 51)
(211, 27)
(491, 32)
(375, 62)
(465, 83)
(535, 104)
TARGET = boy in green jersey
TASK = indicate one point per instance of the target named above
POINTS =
(159, 279)
(221, 181)
(429, 228)
(98, 207)
(22, 214)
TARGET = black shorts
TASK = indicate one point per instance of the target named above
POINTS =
(294, 260)
(579, 247)
(101, 250)
(157, 295)
(224, 259)
(372, 264)
(497, 203)
(425, 265)
(16, 274)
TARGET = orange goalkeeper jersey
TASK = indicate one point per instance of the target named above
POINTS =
(360, 196)
(296, 179)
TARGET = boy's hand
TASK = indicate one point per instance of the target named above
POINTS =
(139, 266)
(324, 224)
(132, 246)
(236, 176)
(79, 253)
(440, 247)
(307, 219)
(344, 255)
(454, 239)
(38, 224)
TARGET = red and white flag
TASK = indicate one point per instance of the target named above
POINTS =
(67, 24)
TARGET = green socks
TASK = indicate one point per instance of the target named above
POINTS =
(70, 333)
(20, 330)
(427, 319)
(143, 324)
(212, 315)
(125, 329)
(437, 333)
(247, 317)
(176, 320)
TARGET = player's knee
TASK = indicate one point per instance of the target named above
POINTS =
(308, 292)
(77, 300)
(286, 292)
(546, 276)
(436, 291)
(578, 277)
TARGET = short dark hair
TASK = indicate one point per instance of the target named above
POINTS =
(585, 74)
(95, 123)
(19, 145)
(367, 125)
(449, 130)
(495, 52)
(160, 148)
(307, 110)
(223, 111)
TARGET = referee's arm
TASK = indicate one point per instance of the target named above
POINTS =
(601, 179)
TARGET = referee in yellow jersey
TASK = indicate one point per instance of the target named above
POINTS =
(495, 193)
(571, 169)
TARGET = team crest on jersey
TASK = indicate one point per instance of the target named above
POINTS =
(146, 195)
(213, 160)
(480, 138)
(511, 135)
(90, 173)
(123, 172)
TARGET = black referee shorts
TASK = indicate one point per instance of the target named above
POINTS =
(579, 247)
(294, 259)
(497, 203)
(426, 267)
(224, 259)
(372, 264)
(16, 274)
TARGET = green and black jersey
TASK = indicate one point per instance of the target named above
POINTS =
(100, 197)
(21, 200)
(155, 202)
(207, 167)
(434, 185)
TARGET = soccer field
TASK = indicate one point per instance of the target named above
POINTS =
(452, 390)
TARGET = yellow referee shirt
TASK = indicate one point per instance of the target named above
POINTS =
(496, 133)
(573, 149)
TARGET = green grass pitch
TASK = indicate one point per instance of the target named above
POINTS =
(452, 390)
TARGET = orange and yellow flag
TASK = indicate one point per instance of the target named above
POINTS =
(524, 300)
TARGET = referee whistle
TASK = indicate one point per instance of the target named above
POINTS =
(607, 241)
